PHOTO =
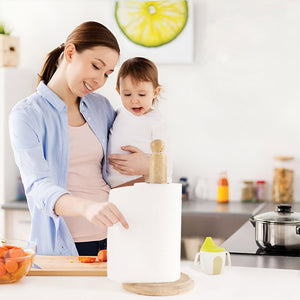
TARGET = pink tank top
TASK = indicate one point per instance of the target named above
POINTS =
(85, 180)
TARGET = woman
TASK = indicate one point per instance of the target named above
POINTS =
(59, 137)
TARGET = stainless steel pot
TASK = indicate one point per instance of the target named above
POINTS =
(278, 230)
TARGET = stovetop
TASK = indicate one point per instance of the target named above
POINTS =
(260, 251)
(243, 241)
(246, 253)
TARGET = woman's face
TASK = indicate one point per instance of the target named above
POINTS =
(88, 71)
(137, 97)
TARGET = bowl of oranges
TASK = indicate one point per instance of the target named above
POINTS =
(16, 259)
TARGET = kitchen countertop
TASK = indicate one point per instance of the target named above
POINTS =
(250, 276)
(234, 283)
(242, 241)
(16, 204)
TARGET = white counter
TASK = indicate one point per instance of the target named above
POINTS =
(234, 283)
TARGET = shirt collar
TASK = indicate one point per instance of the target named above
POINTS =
(51, 97)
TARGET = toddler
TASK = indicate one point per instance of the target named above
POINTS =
(138, 121)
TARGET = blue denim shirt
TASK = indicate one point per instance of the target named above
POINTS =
(39, 135)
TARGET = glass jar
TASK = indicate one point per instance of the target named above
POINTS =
(283, 180)
(248, 191)
(185, 185)
(261, 190)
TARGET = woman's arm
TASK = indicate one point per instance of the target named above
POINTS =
(135, 163)
(103, 214)
(42, 190)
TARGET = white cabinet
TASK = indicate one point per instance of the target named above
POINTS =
(17, 224)
(15, 84)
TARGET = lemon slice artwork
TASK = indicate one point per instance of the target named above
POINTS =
(151, 23)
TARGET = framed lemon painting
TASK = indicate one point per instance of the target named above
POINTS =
(159, 30)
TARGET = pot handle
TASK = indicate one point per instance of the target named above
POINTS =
(251, 219)
(284, 208)
(298, 229)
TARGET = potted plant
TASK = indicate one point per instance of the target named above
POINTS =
(9, 48)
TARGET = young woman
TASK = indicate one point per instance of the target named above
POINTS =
(60, 142)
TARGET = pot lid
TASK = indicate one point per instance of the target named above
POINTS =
(283, 214)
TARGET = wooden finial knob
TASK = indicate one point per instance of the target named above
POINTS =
(158, 162)
(157, 146)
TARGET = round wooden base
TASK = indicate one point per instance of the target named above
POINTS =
(182, 285)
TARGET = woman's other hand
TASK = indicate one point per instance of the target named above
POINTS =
(135, 163)
(102, 213)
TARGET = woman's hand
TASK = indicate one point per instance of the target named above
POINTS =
(104, 214)
(135, 163)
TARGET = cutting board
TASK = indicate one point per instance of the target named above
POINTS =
(66, 266)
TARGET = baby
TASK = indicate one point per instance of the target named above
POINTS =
(138, 121)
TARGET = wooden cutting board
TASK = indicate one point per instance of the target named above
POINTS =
(66, 266)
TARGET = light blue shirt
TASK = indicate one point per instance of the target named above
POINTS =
(39, 135)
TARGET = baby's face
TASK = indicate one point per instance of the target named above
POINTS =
(137, 97)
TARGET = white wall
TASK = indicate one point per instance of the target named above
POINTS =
(233, 109)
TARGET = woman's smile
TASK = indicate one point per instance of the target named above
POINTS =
(88, 87)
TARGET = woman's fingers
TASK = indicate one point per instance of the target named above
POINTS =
(131, 149)
(105, 215)
(123, 168)
(124, 157)
(119, 216)
(99, 221)
(135, 163)
(110, 215)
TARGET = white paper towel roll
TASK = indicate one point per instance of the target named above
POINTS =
(149, 251)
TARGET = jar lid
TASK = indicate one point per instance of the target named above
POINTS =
(283, 215)
(248, 181)
(260, 181)
(283, 157)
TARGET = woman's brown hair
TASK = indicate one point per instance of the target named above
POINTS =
(84, 36)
